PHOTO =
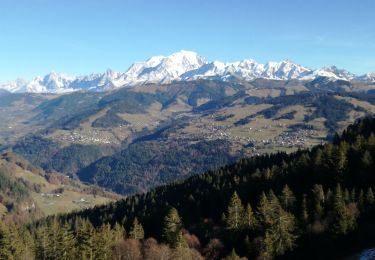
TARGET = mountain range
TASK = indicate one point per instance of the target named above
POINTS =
(179, 66)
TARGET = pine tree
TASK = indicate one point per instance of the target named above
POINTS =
(287, 198)
(235, 213)
(343, 222)
(273, 201)
(17, 245)
(304, 211)
(250, 220)
(264, 211)
(41, 243)
(370, 197)
(66, 242)
(232, 256)
(28, 249)
(366, 160)
(103, 243)
(361, 200)
(318, 200)
(172, 230)
(5, 242)
(279, 237)
(118, 232)
(340, 159)
(329, 198)
(53, 239)
(136, 231)
(85, 234)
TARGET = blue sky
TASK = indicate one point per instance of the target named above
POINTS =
(83, 36)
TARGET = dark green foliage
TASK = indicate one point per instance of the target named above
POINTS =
(235, 215)
(15, 243)
(72, 158)
(306, 206)
(125, 101)
(5, 242)
(249, 220)
(223, 117)
(47, 154)
(11, 187)
(289, 116)
(279, 235)
(146, 164)
(36, 149)
(343, 221)
(136, 231)
(110, 119)
(325, 105)
(218, 103)
(287, 198)
(172, 230)
(68, 111)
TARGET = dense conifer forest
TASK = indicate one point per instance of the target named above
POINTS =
(316, 203)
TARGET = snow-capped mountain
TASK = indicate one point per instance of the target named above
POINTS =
(368, 77)
(330, 72)
(179, 66)
(162, 69)
(99, 82)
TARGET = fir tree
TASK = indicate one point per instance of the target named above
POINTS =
(279, 237)
(5, 242)
(370, 197)
(250, 220)
(318, 200)
(264, 211)
(343, 222)
(287, 198)
(361, 200)
(235, 213)
(66, 242)
(85, 235)
(172, 230)
(103, 243)
(232, 256)
(41, 243)
(136, 231)
(118, 232)
(304, 210)
(366, 160)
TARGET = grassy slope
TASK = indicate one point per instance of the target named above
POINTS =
(73, 195)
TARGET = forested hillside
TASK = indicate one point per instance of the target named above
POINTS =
(303, 205)
(149, 164)
(28, 193)
(178, 129)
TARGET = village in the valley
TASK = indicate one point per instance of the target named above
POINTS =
(254, 137)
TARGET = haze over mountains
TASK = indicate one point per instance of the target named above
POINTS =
(179, 66)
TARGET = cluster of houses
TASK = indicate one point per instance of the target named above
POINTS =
(251, 136)
(89, 137)
(58, 195)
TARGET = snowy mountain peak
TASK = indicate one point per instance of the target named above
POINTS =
(332, 72)
(164, 69)
(53, 81)
(180, 66)
(368, 77)
(189, 57)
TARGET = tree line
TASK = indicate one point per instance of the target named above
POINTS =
(316, 203)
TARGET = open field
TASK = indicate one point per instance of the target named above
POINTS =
(59, 194)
